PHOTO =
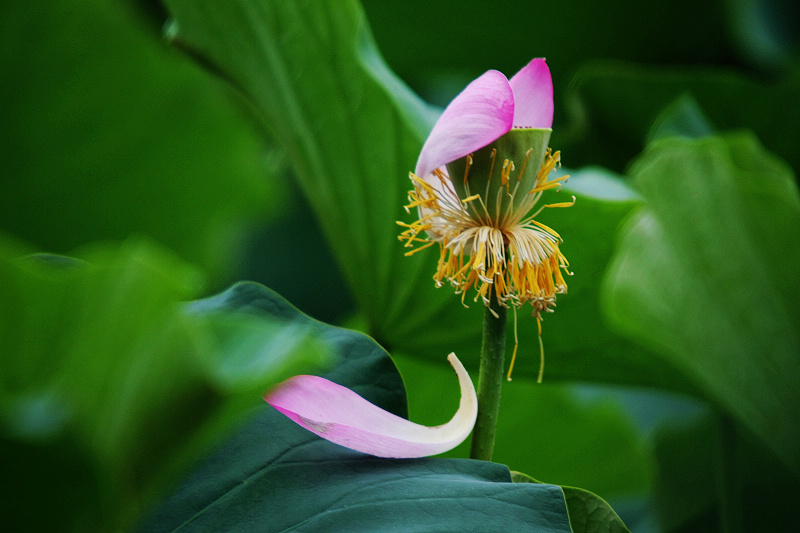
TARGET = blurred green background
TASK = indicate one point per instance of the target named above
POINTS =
(123, 145)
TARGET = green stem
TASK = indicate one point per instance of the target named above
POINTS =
(490, 379)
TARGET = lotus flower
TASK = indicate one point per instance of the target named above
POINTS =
(480, 173)
(339, 415)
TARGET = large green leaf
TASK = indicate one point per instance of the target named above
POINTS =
(706, 275)
(108, 132)
(108, 387)
(351, 129)
(274, 475)
(690, 473)
(712, 478)
(258, 482)
(379, 379)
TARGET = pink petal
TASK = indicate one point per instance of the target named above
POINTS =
(339, 415)
(533, 96)
(480, 114)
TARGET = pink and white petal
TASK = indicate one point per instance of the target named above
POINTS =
(339, 415)
(480, 114)
(533, 95)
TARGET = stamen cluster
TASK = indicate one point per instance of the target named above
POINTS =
(498, 250)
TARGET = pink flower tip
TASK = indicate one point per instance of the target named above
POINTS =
(486, 110)
(339, 415)
(533, 95)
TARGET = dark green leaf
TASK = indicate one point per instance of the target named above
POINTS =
(438, 51)
(363, 356)
(690, 466)
(767, 31)
(253, 351)
(588, 513)
(276, 476)
(253, 485)
(616, 105)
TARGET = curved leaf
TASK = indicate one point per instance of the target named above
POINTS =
(588, 513)
(352, 130)
(706, 275)
(274, 475)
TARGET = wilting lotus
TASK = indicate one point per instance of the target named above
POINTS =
(479, 176)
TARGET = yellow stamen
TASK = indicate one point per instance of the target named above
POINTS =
(415, 250)
(524, 164)
(562, 204)
(516, 346)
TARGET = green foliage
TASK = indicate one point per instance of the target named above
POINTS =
(322, 489)
(293, 479)
(108, 387)
(351, 130)
(588, 513)
(110, 133)
(548, 429)
(706, 275)
(614, 105)
(438, 47)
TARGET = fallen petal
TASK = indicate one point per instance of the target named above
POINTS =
(480, 114)
(533, 96)
(339, 415)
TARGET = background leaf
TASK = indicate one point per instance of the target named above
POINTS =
(706, 275)
(122, 389)
(440, 47)
(587, 512)
(108, 133)
(350, 128)
(613, 106)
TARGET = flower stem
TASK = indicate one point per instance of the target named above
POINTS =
(490, 379)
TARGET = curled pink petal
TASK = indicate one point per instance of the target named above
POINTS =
(480, 114)
(533, 96)
(339, 415)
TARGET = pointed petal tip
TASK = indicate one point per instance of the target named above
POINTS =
(533, 95)
(480, 114)
(339, 415)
